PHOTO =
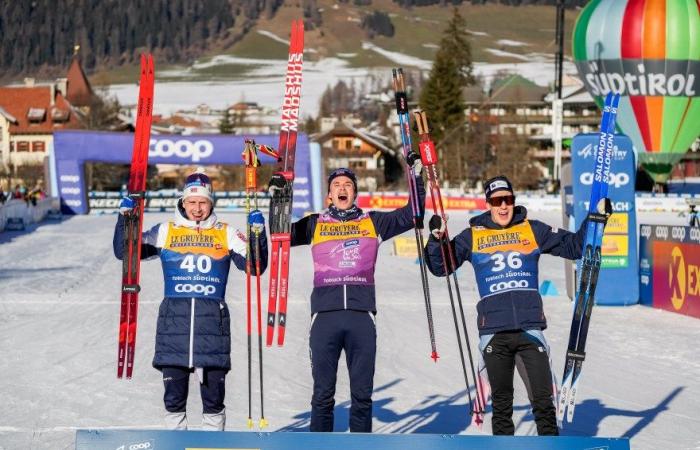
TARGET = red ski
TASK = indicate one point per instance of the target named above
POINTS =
(281, 202)
(133, 222)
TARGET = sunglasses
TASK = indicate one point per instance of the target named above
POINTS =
(498, 201)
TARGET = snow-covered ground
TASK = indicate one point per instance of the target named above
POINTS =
(59, 308)
(262, 80)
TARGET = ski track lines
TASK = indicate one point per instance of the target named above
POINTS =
(59, 311)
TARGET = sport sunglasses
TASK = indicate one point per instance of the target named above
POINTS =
(497, 201)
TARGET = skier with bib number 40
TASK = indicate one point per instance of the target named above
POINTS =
(344, 245)
(193, 333)
(504, 248)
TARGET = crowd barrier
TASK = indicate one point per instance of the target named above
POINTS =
(17, 214)
(669, 268)
(201, 440)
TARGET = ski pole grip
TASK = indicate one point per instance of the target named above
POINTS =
(251, 178)
(401, 103)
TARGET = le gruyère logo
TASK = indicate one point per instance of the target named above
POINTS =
(676, 278)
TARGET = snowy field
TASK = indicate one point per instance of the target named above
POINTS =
(59, 308)
(263, 79)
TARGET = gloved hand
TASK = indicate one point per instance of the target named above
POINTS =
(413, 160)
(256, 221)
(127, 205)
(437, 226)
(277, 183)
(604, 209)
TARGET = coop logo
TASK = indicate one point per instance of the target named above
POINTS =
(145, 445)
(661, 232)
(512, 284)
(194, 151)
(614, 179)
(645, 231)
(195, 289)
(677, 275)
(695, 234)
(70, 178)
(678, 233)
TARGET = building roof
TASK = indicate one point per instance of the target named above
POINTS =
(79, 90)
(342, 129)
(19, 101)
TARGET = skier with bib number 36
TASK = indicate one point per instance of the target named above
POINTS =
(344, 245)
(504, 248)
(193, 333)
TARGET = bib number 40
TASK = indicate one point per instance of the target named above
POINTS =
(201, 263)
(500, 261)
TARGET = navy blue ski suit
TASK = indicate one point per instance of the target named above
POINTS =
(193, 329)
(510, 315)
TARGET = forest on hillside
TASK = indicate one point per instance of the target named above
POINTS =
(40, 35)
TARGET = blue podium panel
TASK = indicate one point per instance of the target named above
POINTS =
(203, 440)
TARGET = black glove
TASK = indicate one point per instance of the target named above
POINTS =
(413, 160)
(277, 183)
(603, 210)
(437, 226)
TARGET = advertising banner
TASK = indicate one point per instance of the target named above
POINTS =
(202, 440)
(670, 268)
(73, 148)
(617, 283)
(393, 200)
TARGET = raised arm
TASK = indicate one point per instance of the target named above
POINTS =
(392, 223)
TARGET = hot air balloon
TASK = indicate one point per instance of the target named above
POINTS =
(649, 52)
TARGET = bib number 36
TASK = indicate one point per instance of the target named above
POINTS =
(500, 261)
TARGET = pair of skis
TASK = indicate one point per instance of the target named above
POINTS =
(281, 202)
(133, 222)
(429, 159)
(590, 264)
(250, 158)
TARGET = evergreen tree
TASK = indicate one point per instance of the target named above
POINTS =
(455, 42)
(226, 123)
(441, 98)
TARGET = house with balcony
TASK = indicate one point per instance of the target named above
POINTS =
(30, 113)
(368, 154)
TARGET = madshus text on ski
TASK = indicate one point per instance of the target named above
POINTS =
(196, 249)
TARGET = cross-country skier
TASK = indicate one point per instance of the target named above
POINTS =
(504, 248)
(193, 331)
(344, 243)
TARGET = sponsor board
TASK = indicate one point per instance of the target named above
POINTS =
(105, 439)
(676, 277)
(405, 246)
(398, 200)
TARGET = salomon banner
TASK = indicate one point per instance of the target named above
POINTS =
(201, 440)
(74, 148)
(669, 260)
(617, 284)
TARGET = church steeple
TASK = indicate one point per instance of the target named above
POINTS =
(79, 92)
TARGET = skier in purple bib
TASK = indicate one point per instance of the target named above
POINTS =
(344, 241)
